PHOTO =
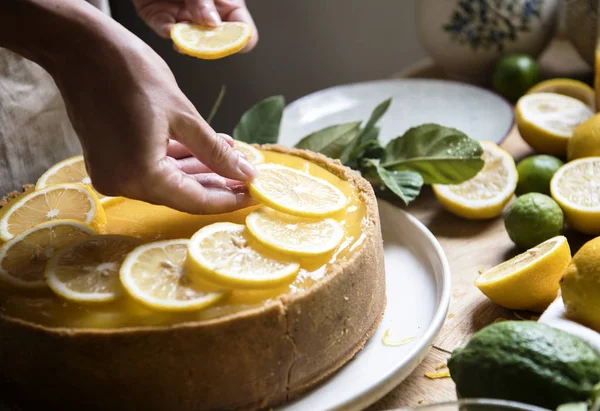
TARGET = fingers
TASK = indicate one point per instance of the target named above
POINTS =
(204, 12)
(236, 10)
(212, 149)
(159, 17)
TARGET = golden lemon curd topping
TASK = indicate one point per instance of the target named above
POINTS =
(150, 223)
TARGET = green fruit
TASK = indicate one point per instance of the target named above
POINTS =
(514, 74)
(525, 361)
(535, 173)
(532, 219)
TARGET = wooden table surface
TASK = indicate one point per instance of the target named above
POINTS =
(471, 246)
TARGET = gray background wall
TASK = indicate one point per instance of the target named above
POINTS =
(305, 45)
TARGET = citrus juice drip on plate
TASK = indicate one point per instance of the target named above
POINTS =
(150, 223)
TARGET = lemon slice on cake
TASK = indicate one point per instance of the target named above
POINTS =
(295, 192)
(154, 275)
(88, 270)
(223, 254)
(23, 258)
(294, 235)
(71, 170)
(576, 188)
(211, 42)
(56, 202)
(546, 120)
(529, 281)
(253, 155)
(485, 195)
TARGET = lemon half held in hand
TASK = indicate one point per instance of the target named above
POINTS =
(211, 43)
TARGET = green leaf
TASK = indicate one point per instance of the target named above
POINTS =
(260, 124)
(440, 154)
(331, 141)
(370, 135)
(405, 184)
(573, 406)
(377, 113)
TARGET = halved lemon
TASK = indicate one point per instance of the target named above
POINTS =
(211, 42)
(154, 275)
(485, 195)
(546, 120)
(294, 235)
(23, 258)
(56, 202)
(568, 87)
(88, 269)
(576, 188)
(529, 281)
(223, 254)
(71, 170)
(295, 192)
(253, 155)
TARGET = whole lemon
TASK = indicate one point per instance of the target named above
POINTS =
(580, 285)
(586, 139)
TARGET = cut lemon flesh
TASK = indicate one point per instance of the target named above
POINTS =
(56, 202)
(294, 235)
(23, 258)
(546, 120)
(568, 87)
(88, 270)
(71, 170)
(529, 281)
(223, 254)
(295, 192)
(485, 195)
(253, 155)
(576, 188)
(211, 42)
(154, 275)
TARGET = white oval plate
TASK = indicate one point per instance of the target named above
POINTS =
(481, 114)
(418, 295)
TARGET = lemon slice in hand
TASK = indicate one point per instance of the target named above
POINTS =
(529, 281)
(485, 195)
(252, 154)
(546, 120)
(23, 258)
(88, 270)
(294, 235)
(295, 192)
(56, 202)
(71, 170)
(576, 188)
(154, 275)
(223, 254)
(211, 42)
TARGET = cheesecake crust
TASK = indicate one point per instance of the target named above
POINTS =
(248, 360)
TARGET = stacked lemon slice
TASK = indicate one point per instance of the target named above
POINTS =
(54, 238)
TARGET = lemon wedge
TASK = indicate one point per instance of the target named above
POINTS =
(546, 120)
(568, 87)
(485, 195)
(529, 281)
(295, 192)
(23, 258)
(154, 275)
(211, 42)
(252, 154)
(294, 235)
(56, 202)
(223, 254)
(88, 269)
(71, 170)
(576, 188)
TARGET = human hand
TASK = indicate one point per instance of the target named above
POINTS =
(160, 15)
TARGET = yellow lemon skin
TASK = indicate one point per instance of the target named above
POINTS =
(580, 285)
(468, 213)
(586, 139)
(539, 139)
(568, 87)
(533, 286)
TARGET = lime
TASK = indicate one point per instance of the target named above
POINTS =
(527, 362)
(535, 173)
(532, 219)
(514, 75)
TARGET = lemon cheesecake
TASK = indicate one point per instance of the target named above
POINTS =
(111, 303)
